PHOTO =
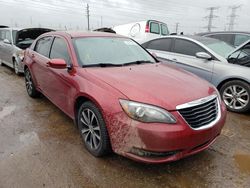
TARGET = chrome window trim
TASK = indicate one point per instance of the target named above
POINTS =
(199, 102)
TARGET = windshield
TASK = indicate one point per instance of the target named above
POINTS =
(219, 47)
(109, 50)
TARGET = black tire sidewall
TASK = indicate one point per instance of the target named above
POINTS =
(104, 146)
(243, 84)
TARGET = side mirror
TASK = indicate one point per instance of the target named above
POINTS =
(57, 64)
(203, 55)
(6, 41)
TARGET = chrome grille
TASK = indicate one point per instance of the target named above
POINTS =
(201, 113)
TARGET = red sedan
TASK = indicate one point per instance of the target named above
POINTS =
(121, 98)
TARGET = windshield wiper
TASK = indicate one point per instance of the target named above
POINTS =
(137, 62)
(102, 65)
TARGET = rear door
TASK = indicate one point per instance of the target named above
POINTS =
(40, 57)
(185, 57)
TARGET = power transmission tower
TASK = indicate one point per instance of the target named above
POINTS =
(88, 15)
(211, 17)
(176, 27)
(232, 16)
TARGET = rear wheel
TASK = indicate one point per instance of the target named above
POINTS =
(30, 87)
(93, 129)
(236, 96)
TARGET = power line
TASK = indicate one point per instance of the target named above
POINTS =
(211, 17)
(233, 16)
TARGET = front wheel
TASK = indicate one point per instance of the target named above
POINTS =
(93, 129)
(30, 87)
(15, 65)
(235, 95)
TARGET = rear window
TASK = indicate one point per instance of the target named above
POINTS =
(240, 39)
(154, 28)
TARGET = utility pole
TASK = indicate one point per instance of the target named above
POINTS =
(232, 16)
(88, 15)
(176, 27)
(101, 21)
(211, 17)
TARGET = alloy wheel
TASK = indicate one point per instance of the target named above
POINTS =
(28, 82)
(236, 97)
(16, 68)
(90, 129)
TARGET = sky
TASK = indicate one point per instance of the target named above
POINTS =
(71, 14)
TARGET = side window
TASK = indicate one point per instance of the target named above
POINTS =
(5, 34)
(228, 38)
(164, 30)
(240, 39)
(186, 47)
(160, 44)
(154, 28)
(59, 50)
(43, 46)
(8, 35)
(1, 35)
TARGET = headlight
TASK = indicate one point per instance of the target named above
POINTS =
(20, 54)
(146, 113)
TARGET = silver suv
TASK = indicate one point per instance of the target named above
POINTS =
(13, 42)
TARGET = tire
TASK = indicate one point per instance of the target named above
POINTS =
(93, 132)
(30, 87)
(15, 66)
(236, 96)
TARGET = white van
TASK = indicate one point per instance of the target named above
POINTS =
(143, 31)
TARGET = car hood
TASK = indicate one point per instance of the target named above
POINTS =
(156, 84)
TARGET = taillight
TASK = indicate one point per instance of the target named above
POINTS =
(147, 28)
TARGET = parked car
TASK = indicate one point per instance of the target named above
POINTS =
(13, 42)
(105, 29)
(235, 38)
(143, 31)
(224, 66)
(121, 98)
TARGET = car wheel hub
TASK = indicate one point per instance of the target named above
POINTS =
(28, 82)
(90, 129)
(236, 97)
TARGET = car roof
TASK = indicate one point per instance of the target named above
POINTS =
(79, 34)
(224, 32)
(192, 37)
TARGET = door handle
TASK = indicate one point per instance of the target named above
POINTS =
(32, 55)
(174, 60)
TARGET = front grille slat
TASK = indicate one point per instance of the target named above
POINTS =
(201, 114)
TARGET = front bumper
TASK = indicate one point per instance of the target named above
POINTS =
(158, 143)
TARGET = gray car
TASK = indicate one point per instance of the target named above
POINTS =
(13, 42)
(223, 65)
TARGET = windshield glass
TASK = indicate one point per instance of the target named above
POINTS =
(219, 47)
(109, 50)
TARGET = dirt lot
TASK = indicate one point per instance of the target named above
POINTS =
(40, 147)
